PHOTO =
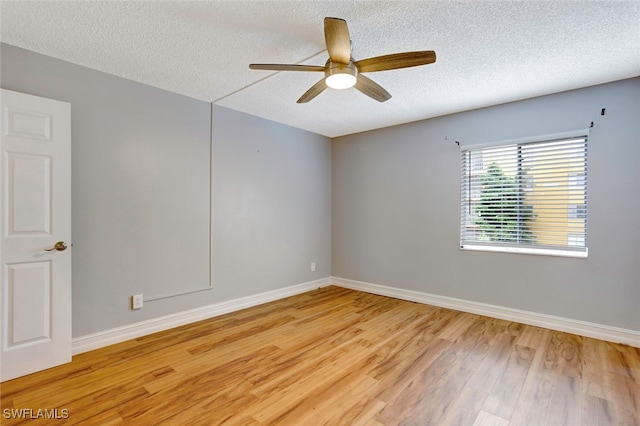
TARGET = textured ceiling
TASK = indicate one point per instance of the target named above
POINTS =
(487, 52)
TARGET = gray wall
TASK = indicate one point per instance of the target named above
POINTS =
(271, 204)
(396, 202)
(141, 195)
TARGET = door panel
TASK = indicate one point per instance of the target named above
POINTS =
(28, 284)
(28, 183)
(28, 124)
(36, 213)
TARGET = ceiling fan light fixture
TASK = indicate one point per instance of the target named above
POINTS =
(341, 76)
(341, 81)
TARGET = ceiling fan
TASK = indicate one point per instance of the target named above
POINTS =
(342, 72)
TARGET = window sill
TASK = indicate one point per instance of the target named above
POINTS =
(523, 250)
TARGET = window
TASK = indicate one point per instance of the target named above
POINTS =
(526, 196)
(577, 211)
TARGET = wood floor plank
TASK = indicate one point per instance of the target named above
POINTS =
(597, 411)
(565, 407)
(564, 353)
(465, 408)
(429, 395)
(492, 367)
(505, 392)
(328, 401)
(595, 374)
(532, 337)
(336, 356)
(302, 388)
(488, 419)
(392, 385)
(535, 396)
(361, 413)
(446, 378)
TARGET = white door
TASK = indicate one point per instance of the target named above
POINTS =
(35, 217)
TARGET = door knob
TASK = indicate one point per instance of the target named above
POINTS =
(60, 246)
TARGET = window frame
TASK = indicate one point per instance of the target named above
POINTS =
(575, 180)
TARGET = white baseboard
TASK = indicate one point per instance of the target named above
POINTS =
(120, 334)
(582, 328)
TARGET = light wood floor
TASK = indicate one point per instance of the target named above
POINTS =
(337, 356)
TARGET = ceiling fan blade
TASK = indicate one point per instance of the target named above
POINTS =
(336, 36)
(314, 91)
(372, 89)
(396, 60)
(286, 67)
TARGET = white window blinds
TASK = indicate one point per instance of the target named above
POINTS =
(525, 195)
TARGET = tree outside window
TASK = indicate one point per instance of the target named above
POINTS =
(502, 215)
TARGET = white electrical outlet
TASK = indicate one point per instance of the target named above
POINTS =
(136, 301)
(313, 266)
